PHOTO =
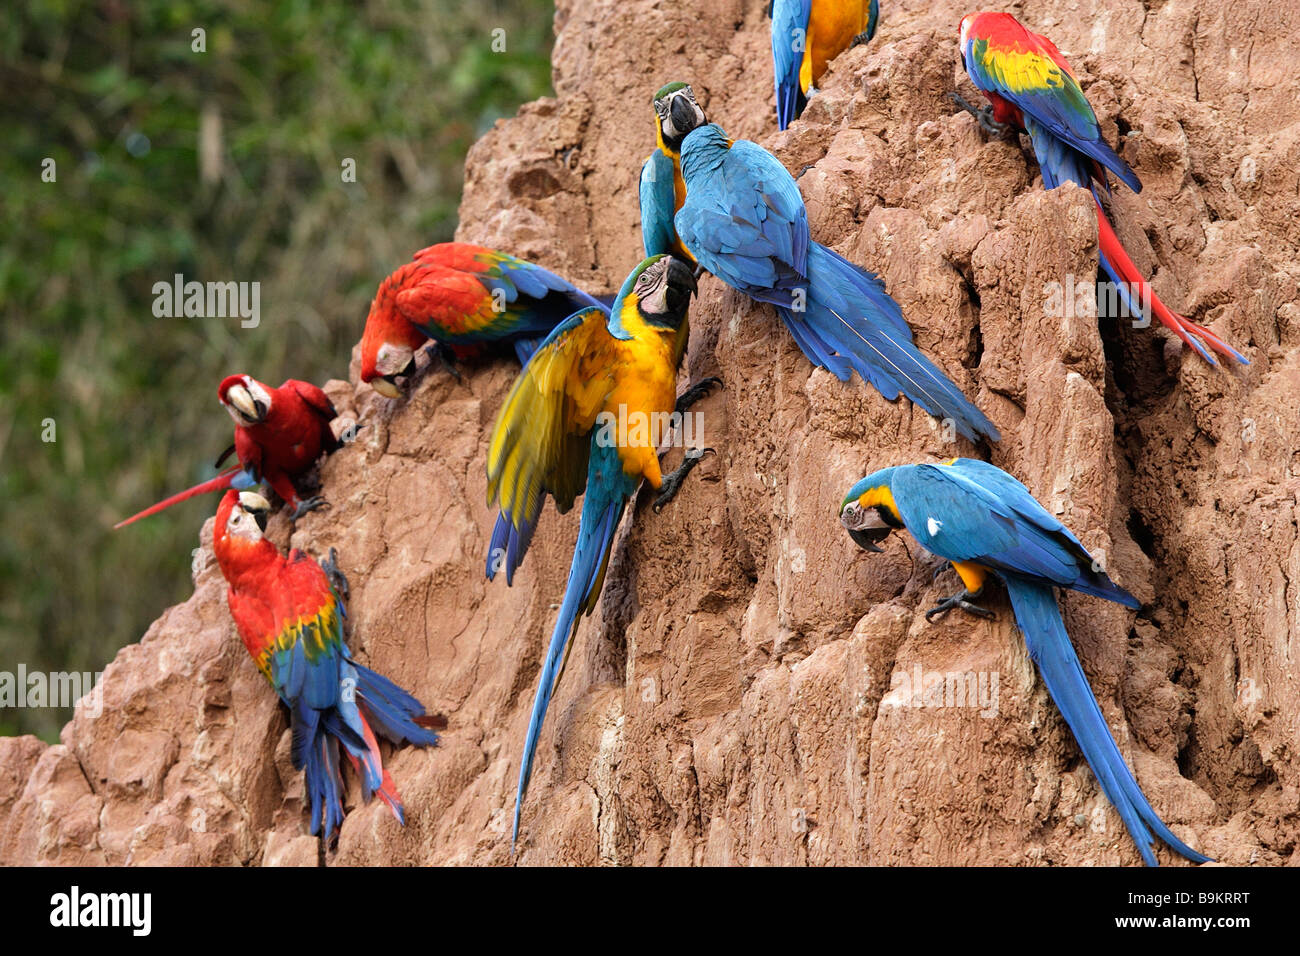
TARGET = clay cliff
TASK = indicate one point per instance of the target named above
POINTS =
(742, 694)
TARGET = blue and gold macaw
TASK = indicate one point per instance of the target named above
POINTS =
(733, 209)
(581, 416)
(984, 521)
(1031, 87)
(806, 36)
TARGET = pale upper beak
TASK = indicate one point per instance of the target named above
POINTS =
(241, 399)
(257, 507)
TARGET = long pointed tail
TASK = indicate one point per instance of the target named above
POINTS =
(235, 477)
(316, 753)
(586, 575)
(1039, 619)
(1137, 292)
(849, 320)
(368, 703)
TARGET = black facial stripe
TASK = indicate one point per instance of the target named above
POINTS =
(887, 517)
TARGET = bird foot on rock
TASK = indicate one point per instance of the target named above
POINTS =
(337, 579)
(982, 116)
(963, 601)
(672, 482)
(696, 392)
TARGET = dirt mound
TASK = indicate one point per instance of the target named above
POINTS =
(745, 692)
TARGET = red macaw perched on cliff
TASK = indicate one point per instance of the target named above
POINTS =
(461, 295)
(1031, 87)
(289, 613)
(279, 434)
(806, 36)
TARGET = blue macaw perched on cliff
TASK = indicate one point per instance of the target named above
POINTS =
(733, 208)
(555, 436)
(1030, 86)
(984, 521)
(806, 36)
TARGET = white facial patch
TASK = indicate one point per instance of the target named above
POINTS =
(856, 518)
(392, 359)
(242, 525)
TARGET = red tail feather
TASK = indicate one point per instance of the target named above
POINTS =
(1114, 251)
(219, 483)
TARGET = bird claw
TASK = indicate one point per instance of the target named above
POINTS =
(696, 392)
(334, 574)
(982, 116)
(672, 482)
(860, 39)
(308, 505)
(962, 601)
(446, 364)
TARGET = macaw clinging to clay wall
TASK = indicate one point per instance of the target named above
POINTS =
(289, 612)
(280, 433)
(733, 208)
(986, 522)
(807, 35)
(459, 295)
(1030, 87)
(549, 439)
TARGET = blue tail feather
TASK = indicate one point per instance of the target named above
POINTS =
(1039, 619)
(601, 511)
(392, 709)
(849, 313)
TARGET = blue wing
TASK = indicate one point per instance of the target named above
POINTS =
(973, 511)
(744, 219)
(1019, 66)
(789, 39)
(658, 205)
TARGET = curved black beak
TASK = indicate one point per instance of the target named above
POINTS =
(868, 537)
(681, 285)
(682, 113)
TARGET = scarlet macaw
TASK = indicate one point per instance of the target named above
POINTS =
(806, 36)
(289, 613)
(1031, 87)
(735, 210)
(984, 521)
(461, 295)
(552, 438)
(279, 434)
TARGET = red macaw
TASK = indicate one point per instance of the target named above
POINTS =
(461, 296)
(289, 613)
(1031, 87)
(279, 434)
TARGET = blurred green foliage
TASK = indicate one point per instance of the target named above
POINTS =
(222, 165)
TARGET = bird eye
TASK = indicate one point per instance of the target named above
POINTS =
(236, 519)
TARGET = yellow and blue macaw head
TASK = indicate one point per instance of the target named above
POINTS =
(659, 290)
(868, 511)
(676, 114)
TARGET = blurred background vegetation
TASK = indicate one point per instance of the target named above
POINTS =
(221, 165)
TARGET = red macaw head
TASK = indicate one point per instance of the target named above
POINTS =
(966, 22)
(238, 534)
(389, 343)
(246, 399)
